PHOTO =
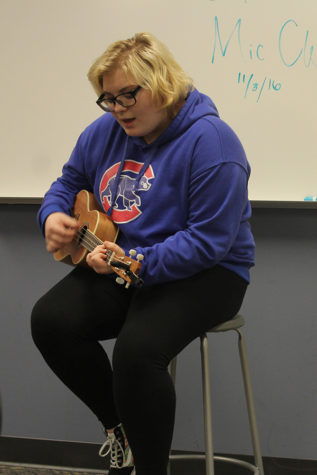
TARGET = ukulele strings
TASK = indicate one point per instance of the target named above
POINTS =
(87, 239)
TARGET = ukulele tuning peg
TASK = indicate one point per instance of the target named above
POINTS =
(132, 252)
(140, 257)
(120, 280)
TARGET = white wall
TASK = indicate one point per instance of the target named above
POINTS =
(256, 59)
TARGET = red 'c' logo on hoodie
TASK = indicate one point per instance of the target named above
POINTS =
(125, 201)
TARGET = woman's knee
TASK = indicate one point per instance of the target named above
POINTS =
(47, 326)
(39, 322)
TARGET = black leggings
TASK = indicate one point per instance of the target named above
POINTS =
(152, 325)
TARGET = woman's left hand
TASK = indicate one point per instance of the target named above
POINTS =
(96, 259)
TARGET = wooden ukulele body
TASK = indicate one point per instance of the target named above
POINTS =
(89, 216)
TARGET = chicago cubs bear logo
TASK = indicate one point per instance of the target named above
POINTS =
(126, 201)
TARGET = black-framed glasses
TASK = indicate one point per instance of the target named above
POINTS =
(125, 99)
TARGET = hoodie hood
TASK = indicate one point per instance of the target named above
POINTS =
(196, 107)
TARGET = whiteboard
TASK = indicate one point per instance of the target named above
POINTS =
(256, 59)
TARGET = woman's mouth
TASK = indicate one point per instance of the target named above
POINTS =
(128, 122)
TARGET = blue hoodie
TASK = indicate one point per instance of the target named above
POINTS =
(181, 201)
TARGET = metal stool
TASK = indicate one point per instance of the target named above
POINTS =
(235, 324)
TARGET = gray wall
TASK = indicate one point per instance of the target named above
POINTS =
(280, 309)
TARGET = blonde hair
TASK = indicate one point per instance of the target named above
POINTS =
(151, 65)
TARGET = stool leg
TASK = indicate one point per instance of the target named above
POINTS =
(250, 403)
(207, 405)
(172, 372)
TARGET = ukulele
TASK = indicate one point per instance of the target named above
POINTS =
(95, 228)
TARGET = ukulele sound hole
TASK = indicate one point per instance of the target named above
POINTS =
(81, 234)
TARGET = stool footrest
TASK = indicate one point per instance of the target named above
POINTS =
(217, 458)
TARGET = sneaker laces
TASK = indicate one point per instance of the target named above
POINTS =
(115, 447)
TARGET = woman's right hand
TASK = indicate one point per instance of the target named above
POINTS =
(60, 229)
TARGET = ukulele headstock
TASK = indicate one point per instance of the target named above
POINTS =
(127, 268)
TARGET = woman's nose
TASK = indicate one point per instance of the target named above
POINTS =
(118, 107)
